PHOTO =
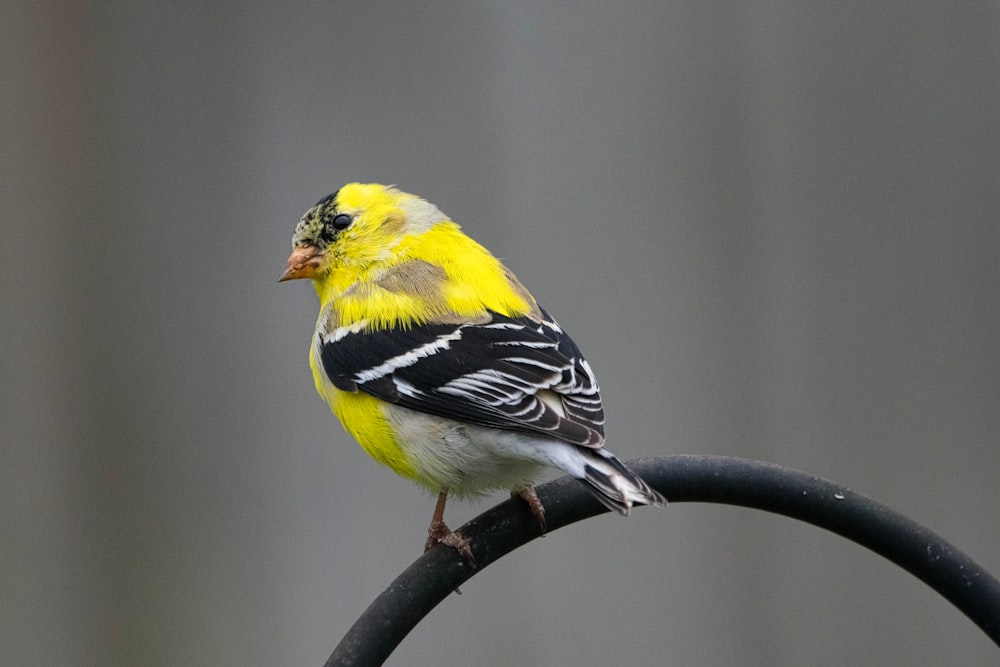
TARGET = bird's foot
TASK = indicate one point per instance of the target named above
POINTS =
(440, 533)
(528, 495)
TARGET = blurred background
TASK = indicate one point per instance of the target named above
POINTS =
(772, 227)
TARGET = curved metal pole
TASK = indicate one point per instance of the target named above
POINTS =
(711, 479)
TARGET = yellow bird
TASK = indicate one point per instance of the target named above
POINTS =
(441, 364)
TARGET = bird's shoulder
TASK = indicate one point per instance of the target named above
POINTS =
(426, 287)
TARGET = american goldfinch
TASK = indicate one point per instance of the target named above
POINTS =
(441, 364)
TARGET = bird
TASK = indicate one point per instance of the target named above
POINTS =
(441, 364)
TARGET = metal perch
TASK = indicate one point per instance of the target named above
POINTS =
(710, 479)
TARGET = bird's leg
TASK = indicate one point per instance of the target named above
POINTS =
(528, 495)
(437, 529)
(439, 533)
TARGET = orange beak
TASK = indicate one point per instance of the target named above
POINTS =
(304, 262)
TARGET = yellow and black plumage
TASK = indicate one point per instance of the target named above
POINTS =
(440, 363)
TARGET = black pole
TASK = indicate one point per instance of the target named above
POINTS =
(711, 479)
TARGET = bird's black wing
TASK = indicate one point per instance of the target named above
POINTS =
(510, 373)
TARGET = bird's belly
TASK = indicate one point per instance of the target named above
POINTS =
(464, 459)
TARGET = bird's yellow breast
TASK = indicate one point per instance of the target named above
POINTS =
(363, 417)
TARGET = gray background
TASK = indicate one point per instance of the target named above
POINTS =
(772, 227)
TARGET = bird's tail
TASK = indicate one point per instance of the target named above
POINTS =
(612, 483)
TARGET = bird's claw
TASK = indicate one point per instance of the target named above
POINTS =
(440, 533)
(528, 495)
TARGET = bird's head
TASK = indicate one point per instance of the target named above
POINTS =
(359, 226)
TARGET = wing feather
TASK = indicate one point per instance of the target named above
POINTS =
(501, 373)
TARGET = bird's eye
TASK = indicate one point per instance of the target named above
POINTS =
(341, 221)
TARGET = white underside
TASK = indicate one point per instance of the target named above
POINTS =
(469, 460)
